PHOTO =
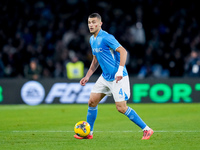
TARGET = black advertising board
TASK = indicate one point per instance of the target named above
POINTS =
(49, 91)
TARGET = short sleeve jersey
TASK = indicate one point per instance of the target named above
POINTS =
(104, 48)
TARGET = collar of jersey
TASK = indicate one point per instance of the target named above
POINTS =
(100, 32)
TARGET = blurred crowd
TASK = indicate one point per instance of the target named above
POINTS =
(39, 37)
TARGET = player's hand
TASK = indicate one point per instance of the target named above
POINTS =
(118, 78)
(84, 80)
(119, 74)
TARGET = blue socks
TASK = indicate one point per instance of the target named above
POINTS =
(130, 113)
(91, 116)
(133, 116)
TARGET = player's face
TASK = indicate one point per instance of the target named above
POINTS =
(94, 25)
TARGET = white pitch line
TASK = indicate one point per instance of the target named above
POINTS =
(62, 131)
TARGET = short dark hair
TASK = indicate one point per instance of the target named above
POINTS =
(95, 15)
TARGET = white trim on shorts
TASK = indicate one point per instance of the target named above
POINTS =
(120, 90)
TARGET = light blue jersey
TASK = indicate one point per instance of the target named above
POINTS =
(104, 48)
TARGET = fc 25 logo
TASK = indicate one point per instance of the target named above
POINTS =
(33, 93)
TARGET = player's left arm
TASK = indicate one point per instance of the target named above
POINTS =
(123, 56)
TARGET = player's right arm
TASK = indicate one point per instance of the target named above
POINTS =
(94, 65)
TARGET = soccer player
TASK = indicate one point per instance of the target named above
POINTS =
(111, 56)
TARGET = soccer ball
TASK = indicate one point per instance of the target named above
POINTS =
(82, 128)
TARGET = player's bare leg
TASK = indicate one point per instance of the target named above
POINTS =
(95, 98)
(121, 106)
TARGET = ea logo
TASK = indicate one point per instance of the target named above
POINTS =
(32, 93)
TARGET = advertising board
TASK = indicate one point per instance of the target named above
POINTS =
(49, 91)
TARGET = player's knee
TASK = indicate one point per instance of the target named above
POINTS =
(121, 109)
(92, 103)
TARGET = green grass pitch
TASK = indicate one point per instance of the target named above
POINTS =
(50, 127)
